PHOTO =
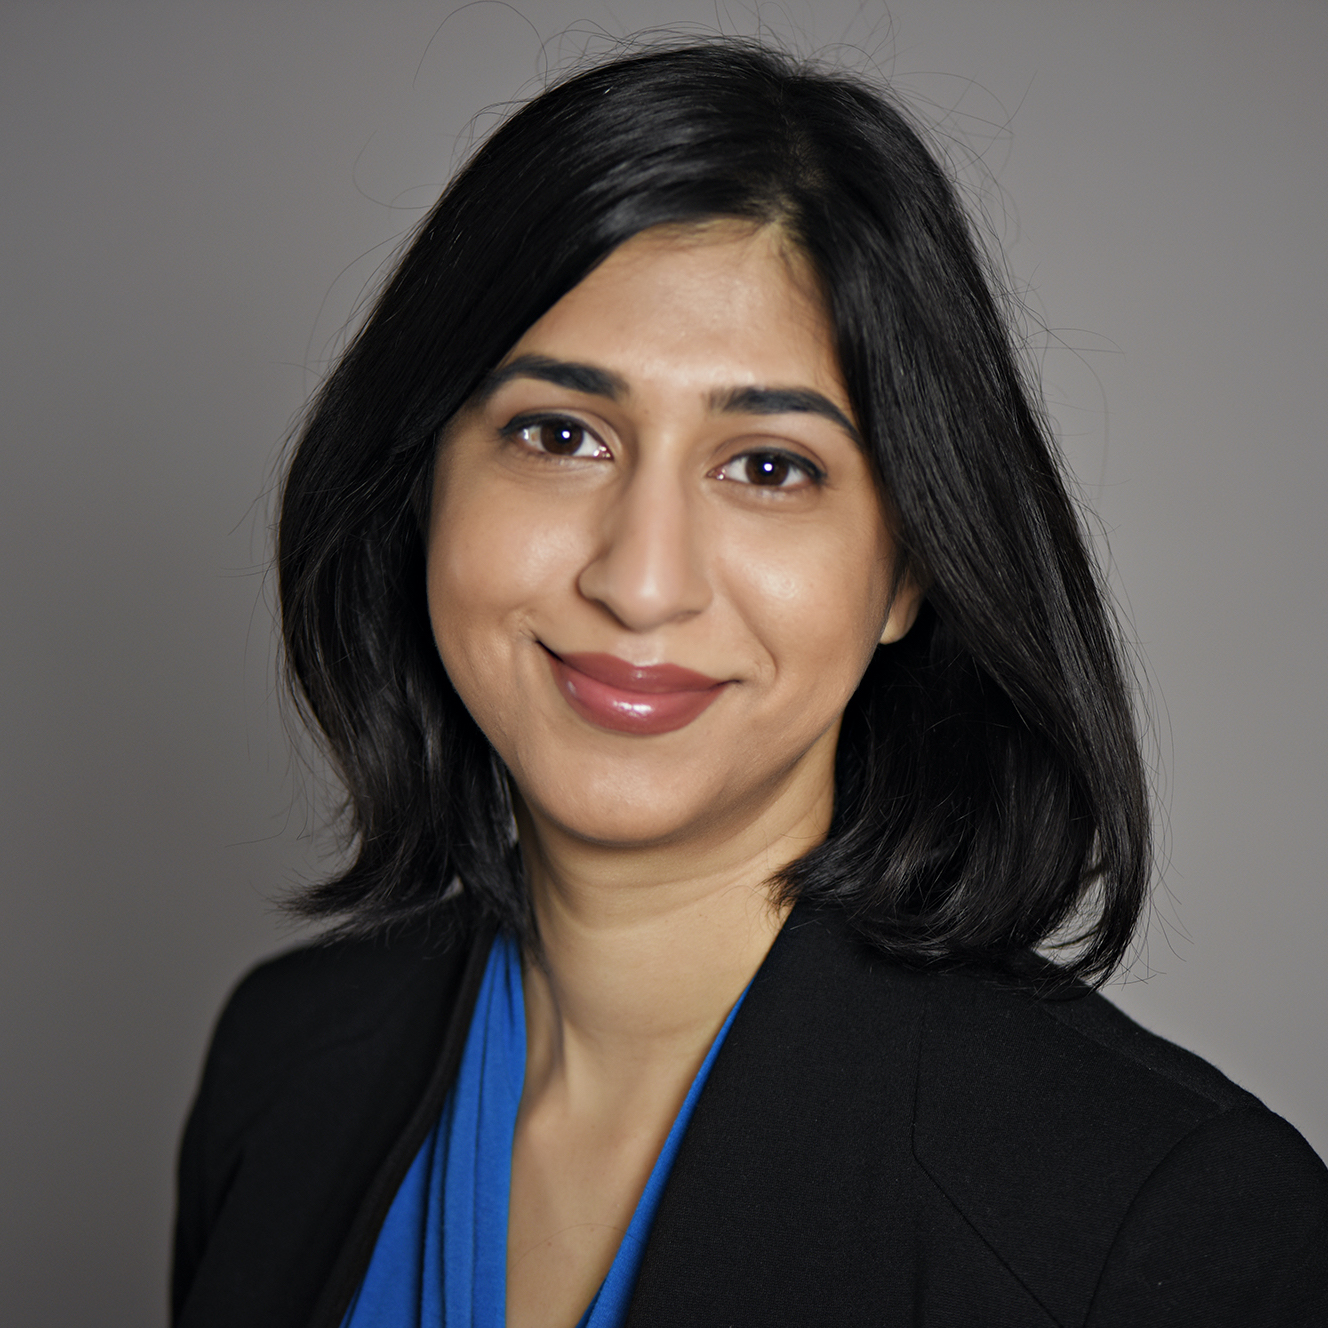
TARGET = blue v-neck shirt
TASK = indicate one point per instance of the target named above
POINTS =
(441, 1256)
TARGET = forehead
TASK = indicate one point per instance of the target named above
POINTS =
(714, 306)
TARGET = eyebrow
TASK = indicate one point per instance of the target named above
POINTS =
(783, 401)
(594, 381)
(586, 378)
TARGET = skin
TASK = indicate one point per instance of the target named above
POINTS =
(682, 523)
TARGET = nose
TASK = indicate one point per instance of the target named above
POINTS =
(648, 569)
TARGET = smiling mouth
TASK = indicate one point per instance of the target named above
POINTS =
(630, 698)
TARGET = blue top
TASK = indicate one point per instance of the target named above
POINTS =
(441, 1256)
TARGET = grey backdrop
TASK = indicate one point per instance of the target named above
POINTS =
(195, 197)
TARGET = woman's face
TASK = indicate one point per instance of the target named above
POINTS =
(658, 564)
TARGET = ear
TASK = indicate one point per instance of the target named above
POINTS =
(904, 608)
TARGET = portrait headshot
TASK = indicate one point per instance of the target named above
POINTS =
(665, 664)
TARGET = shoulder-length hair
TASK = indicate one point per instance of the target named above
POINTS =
(989, 788)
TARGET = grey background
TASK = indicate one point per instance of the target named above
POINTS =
(195, 197)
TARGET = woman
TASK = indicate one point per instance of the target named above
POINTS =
(682, 578)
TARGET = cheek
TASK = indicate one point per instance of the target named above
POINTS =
(467, 583)
(491, 560)
(819, 602)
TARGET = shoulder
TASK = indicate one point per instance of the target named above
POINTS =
(1159, 1181)
(318, 1061)
(333, 988)
(1076, 1052)
(1097, 1161)
(321, 996)
(993, 1042)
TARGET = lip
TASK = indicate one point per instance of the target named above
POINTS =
(632, 698)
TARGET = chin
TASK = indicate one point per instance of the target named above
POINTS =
(651, 799)
(614, 814)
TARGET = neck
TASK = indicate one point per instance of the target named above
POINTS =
(644, 952)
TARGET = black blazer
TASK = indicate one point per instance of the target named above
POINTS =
(874, 1145)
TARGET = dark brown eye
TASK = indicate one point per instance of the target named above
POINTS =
(560, 437)
(769, 469)
(772, 470)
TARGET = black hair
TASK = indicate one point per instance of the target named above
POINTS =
(990, 793)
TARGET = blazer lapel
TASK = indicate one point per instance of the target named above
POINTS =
(358, 1247)
(802, 1129)
(327, 1070)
